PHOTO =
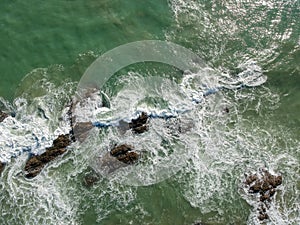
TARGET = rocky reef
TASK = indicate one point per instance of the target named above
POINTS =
(124, 153)
(263, 186)
(36, 163)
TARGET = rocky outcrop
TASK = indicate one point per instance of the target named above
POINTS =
(2, 116)
(2, 165)
(262, 185)
(139, 125)
(36, 163)
(124, 153)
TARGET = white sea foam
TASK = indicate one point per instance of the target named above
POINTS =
(205, 149)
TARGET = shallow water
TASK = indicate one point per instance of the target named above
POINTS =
(193, 165)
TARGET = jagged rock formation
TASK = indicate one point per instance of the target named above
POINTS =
(36, 163)
(262, 185)
(124, 153)
(2, 116)
(2, 165)
(139, 125)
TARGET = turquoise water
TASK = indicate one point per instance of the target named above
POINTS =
(47, 46)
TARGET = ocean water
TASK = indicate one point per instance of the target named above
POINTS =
(193, 166)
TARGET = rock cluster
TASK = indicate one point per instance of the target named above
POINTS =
(124, 153)
(139, 125)
(2, 116)
(79, 131)
(263, 185)
(36, 163)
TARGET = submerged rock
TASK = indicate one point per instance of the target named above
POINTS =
(90, 180)
(263, 185)
(36, 163)
(2, 116)
(139, 125)
(81, 130)
(124, 153)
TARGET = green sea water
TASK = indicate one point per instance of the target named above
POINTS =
(64, 37)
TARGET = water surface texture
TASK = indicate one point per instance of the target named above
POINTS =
(193, 164)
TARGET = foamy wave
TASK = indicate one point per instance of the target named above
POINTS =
(37, 122)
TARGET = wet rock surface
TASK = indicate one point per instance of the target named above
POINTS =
(2, 116)
(2, 165)
(36, 163)
(262, 185)
(124, 153)
(139, 125)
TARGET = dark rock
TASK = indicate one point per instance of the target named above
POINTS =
(278, 181)
(33, 166)
(256, 187)
(264, 185)
(263, 216)
(226, 110)
(36, 163)
(139, 125)
(265, 196)
(200, 223)
(124, 153)
(2, 165)
(129, 157)
(272, 192)
(62, 141)
(121, 150)
(251, 178)
(141, 129)
(2, 116)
